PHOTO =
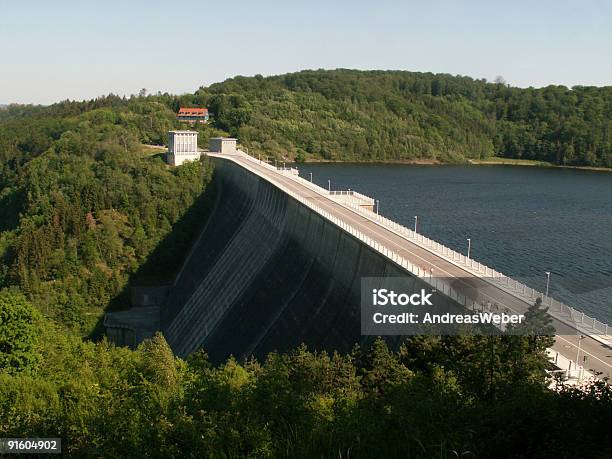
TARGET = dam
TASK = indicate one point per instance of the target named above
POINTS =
(267, 273)
(280, 263)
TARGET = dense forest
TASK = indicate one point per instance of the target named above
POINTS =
(391, 115)
(471, 396)
(89, 208)
(84, 205)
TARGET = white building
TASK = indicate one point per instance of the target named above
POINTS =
(222, 145)
(182, 146)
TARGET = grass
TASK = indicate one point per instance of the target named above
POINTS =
(151, 150)
(511, 162)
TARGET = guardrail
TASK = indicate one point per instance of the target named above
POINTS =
(352, 197)
(574, 374)
(290, 170)
(351, 193)
(557, 309)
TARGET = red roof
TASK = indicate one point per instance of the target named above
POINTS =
(193, 111)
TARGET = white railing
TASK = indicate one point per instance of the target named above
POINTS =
(557, 309)
(574, 374)
(351, 196)
(352, 193)
(363, 197)
(288, 170)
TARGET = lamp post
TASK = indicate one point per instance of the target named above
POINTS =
(377, 204)
(415, 223)
(329, 185)
(547, 282)
(469, 246)
(580, 338)
(311, 177)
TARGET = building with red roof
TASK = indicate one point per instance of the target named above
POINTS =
(193, 115)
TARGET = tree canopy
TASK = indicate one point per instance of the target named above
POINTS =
(432, 398)
(393, 115)
(84, 205)
(88, 207)
(20, 325)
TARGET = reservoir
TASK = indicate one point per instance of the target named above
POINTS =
(522, 221)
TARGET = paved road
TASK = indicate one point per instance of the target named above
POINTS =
(599, 355)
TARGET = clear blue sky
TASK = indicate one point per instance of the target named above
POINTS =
(54, 50)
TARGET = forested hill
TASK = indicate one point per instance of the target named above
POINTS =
(394, 115)
(83, 206)
(353, 115)
(87, 209)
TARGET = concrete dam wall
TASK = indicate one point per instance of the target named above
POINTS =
(267, 273)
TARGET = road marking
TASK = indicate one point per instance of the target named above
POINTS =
(585, 352)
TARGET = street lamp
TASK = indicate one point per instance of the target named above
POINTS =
(580, 338)
(329, 185)
(547, 282)
(377, 204)
(415, 223)
(469, 246)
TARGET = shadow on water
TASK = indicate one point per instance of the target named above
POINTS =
(166, 259)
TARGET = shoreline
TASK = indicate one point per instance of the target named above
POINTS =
(416, 162)
(531, 163)
(472, 162)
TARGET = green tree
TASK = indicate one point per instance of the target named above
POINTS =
(537, 326)
(20, 326)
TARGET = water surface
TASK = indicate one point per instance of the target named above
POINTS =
(523, 221)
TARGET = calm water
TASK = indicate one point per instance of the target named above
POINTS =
(523, 221)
